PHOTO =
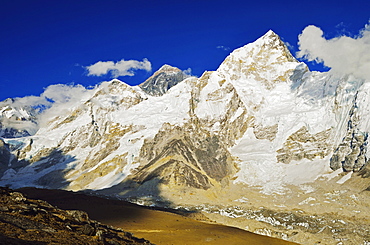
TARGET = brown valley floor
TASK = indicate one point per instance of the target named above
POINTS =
(157, 226)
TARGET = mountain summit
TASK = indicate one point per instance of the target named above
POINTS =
(162, 80)
(266, 60)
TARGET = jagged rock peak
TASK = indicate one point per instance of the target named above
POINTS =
(269, 44)
(162, 80)
(266, 60)
(271, 38)
(273, 41)
(7, 101)
(270, 34)
(167, 69)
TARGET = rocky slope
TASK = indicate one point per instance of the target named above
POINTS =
(28, 221)
(261, 126)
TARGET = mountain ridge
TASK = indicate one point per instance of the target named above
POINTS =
(261, 122)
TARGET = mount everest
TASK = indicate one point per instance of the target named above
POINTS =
(259, 129)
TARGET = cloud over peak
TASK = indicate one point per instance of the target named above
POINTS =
(119, 68)
(343, 54)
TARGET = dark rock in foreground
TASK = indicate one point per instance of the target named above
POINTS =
(27, 221)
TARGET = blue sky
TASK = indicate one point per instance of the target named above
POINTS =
(51, 42)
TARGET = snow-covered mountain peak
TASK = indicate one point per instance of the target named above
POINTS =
(167, 69)
(268, 44)
(113, 87)
(16, 120)
(115, 94)
(162, 80)
(270, 34)
(267, 61)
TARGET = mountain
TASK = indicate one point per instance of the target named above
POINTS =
(17, 121)
(162, 80)
(262, 131)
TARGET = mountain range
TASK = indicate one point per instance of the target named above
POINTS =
(245, 144)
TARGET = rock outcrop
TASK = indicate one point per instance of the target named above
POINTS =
(28, 221)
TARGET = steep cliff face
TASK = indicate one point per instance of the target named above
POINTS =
(178, 156)
(5, 156)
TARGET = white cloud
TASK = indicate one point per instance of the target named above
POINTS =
(289, 46)
(120, 68)
(187, 72)
(344, 55)
(30, 101)
(62, 93)
(53, 94)
(223, 47)
(64, 98)
(55, 100)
